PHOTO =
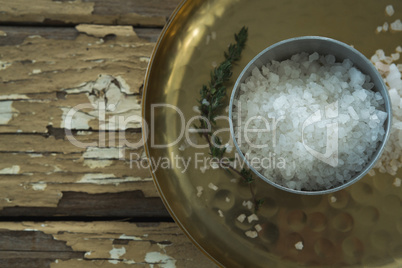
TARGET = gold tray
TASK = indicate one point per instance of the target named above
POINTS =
(356, 227)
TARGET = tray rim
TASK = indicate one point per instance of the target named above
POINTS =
(158, 43)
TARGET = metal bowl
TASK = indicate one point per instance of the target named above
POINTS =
(284, 50)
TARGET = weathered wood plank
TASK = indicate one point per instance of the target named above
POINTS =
(97, 244)
(60, 12)
(43, 79)
(39, 179)
(15, 35)
(130, 204)
(44, 167)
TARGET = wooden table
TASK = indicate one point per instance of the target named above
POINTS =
(70, 194)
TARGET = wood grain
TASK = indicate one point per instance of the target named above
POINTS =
(60, 12)
(97, 244)
(15, 35)
(129, 205)
(45, 168)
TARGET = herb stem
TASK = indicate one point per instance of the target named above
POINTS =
(212, 99)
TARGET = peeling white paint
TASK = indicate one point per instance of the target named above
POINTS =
(113, 103)
(35, 155)
(162, 260)
(14, 97)
(116, 253)
(130, 237)
(162, 246)
(10, 170)
(137, 179)
(102, 179)
(102, 30)
(103, 153)
(40, 186)
(97, 163)
(84, 133)
(36, 71)
(6, 112)
(95, 178)
(4, 65)
(87, 254)
(144, 59)
(8, 200)
(31, 230)
(56, 169)
(73, 119)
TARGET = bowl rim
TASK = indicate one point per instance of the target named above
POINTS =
(381, 87)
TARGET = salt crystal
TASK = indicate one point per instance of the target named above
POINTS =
(252, 217)
(397, 182)
(220, 213)
(385, 26)
(394, 96)
(205, 102)
(213, 186)
(248, 204)
(299, 245)
(353, 113)
(203, 169)
(395, 56)
(357, 78)
(251, 234)
(182, 147)
(196, 109)
(214, 165)
(228, 147)
(313, 57)
(396, 25)
(241, 217)
(330, 59)
(199, 190)
(389, 9)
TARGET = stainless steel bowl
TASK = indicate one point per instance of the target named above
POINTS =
(284, 50)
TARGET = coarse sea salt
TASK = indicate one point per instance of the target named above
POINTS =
(241, 217)
(305, 95)
(251, 234)
(390, 160)
(396, 25)
(389, 9)
(299, 245)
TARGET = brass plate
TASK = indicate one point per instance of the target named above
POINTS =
(356, 227)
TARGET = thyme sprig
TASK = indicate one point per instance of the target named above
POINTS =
(211, 103)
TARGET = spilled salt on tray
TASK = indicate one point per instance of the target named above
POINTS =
(390, 160)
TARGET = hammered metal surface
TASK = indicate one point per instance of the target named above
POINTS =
(357, 227)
